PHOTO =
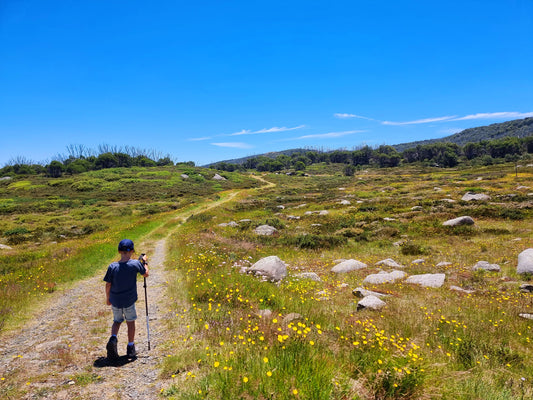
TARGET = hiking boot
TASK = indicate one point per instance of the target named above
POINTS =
(112, 352)
(130, 351)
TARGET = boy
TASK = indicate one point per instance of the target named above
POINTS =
(121, 295)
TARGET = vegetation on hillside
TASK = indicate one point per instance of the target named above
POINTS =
(437, 154)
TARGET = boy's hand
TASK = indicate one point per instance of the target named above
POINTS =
(143, 258)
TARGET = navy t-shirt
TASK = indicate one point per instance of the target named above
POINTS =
(123, 279)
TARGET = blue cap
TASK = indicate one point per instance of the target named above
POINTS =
(125, 245)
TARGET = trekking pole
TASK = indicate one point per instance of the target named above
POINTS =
(146, 302)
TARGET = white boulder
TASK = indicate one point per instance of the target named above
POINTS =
(271, 267)
(348, 266)
(525, 262)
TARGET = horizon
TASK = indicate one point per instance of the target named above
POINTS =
(218, 81)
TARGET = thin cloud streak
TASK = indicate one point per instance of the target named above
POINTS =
(496, 115)
(199, 139)
(233, 145)
(328, 135)
(243, 132)
(274, 129)
(349, 116)
(282, 129)
(421, 121)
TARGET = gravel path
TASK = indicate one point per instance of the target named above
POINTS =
(61, 353)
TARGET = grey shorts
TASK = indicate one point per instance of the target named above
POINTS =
(128, 313)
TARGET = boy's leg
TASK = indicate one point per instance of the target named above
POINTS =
(115, 327)
(131, 331)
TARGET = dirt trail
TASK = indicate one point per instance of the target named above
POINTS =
(60, 354)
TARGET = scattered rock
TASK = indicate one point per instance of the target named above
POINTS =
(469, 196)
(526, 316)
(389, 262)
(309, 275)
(361, 292)
(525, 262)
(265, 230)
(323, 212)
(217, 177)
(5, 247)
(443, 264)
(526, 288)
(271, 267)
(345, 202)
(347, 266)
(291, 317)
(370, 302)
(485, 265)
(231, 223)
(465, 220)
(293, 217)
(460, 289)
(417, 208)
(281, 207)
(265, 313)
(185, 176)
(418, 261)
(5, 178)
(384, 277)
(389, 219)
(427, 280)
(245, 220)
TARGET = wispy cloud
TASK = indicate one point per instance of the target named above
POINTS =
(243, 132)
(199, 139)
(274, 129)
(282, 129)
(496, 115)
(234, 145)
(349, 116)
(328, 135)
(421, 121)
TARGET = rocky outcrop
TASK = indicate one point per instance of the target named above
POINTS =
(427, 280)
(371, 303)
(485, 265)
(272, 268)
(348, 266)
(384, 277)
(525, 262)
(265, 230)
(465, 220)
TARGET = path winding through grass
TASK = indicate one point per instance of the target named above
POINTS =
(60, 354)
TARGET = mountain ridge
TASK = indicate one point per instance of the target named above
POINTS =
(515, 128)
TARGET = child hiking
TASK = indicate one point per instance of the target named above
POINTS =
(121, 295)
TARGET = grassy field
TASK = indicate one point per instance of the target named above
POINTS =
(427, 343)
(64, 229)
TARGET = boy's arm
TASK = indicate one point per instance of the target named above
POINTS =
(107, 292)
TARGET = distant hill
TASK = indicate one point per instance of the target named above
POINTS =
(517, 128)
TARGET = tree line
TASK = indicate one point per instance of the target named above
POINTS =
(441, 154)
(82, 159)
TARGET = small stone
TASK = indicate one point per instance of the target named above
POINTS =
(485, 265)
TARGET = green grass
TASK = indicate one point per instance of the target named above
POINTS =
(427, 343)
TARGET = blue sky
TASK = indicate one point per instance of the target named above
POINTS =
(206, 81)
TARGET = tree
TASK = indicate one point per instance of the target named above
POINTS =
(54, 169)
